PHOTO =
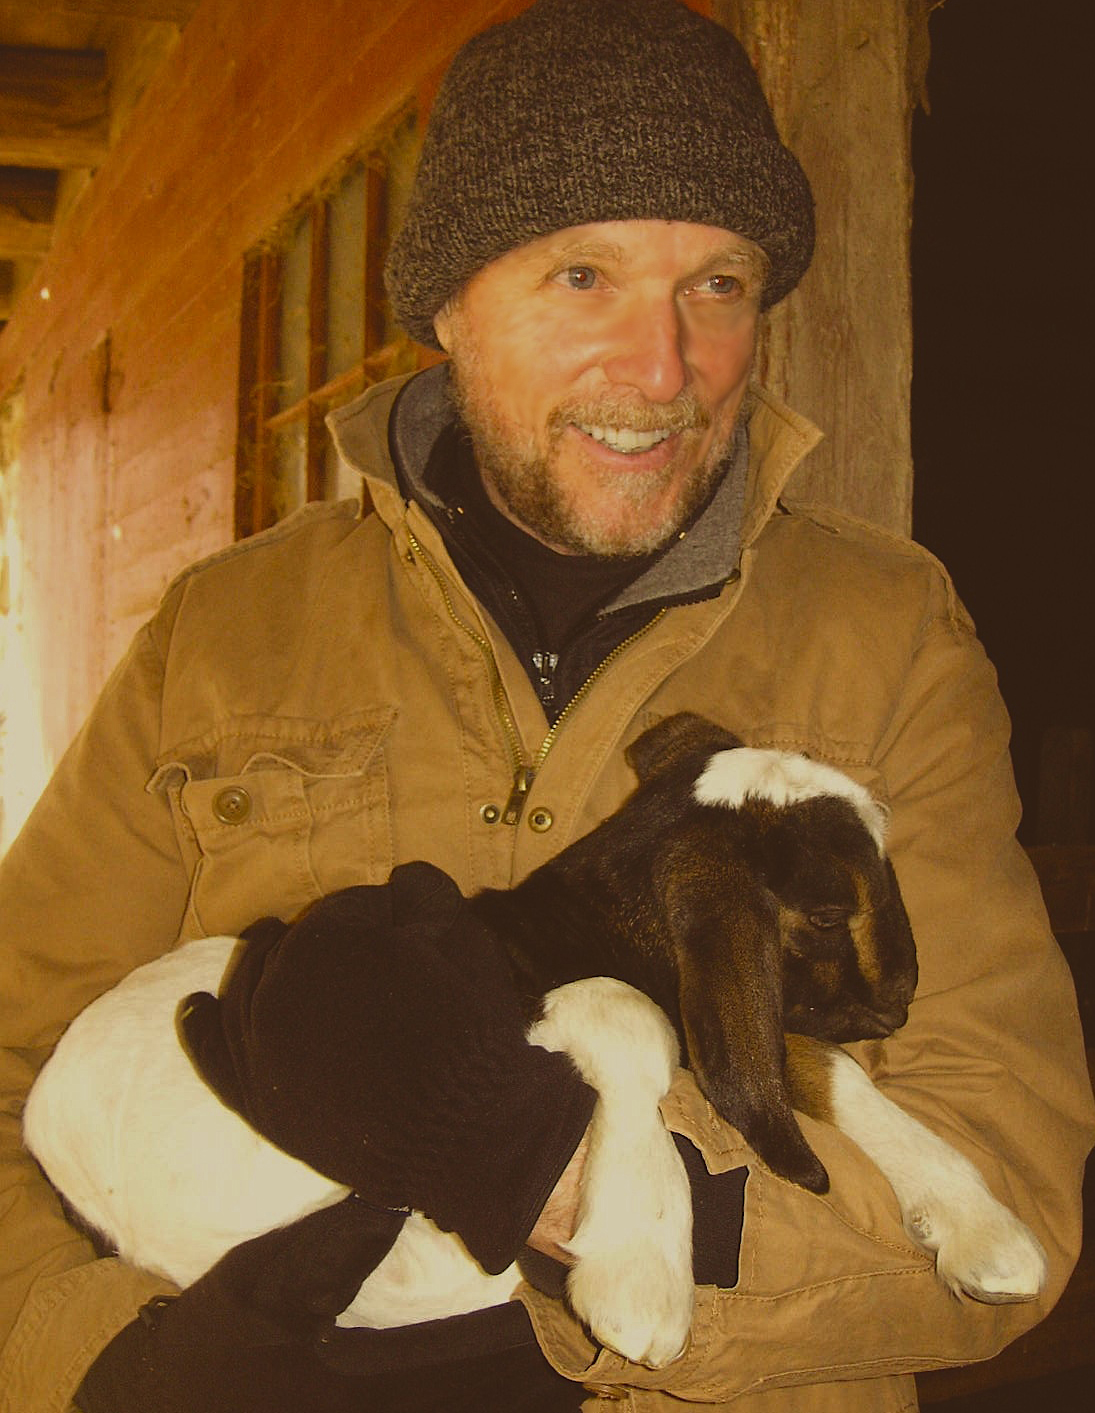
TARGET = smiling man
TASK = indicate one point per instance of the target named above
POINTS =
(578, 527)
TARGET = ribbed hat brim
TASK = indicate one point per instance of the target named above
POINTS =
(583, 111)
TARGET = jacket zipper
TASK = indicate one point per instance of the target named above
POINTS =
(524, 772)
(545, 664)
(498, 692)
(583, 691)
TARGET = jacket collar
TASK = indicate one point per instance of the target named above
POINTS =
(386, 435)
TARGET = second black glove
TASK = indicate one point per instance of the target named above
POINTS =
(380, 1039)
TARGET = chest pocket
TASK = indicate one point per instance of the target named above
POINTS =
(271, 813)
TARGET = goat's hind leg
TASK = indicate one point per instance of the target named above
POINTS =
(980, 1247)
(632, 1278)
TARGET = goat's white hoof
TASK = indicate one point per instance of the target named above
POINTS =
(981, 1249)
(632, 1279)
(636, 1302)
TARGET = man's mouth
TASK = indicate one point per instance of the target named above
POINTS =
(624, 439)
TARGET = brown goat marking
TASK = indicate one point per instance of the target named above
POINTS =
(731, 1005)
(863, 926)
(809, 1080)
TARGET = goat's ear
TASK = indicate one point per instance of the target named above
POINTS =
(731, 1005)
(674, 739)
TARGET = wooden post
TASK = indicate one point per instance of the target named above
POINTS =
(1065, 777)
(54, 107)
(843, 77)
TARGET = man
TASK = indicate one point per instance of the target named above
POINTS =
(577, 531)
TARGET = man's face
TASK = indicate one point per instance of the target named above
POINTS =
(600, 371)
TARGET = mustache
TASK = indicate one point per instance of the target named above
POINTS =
(685, 413)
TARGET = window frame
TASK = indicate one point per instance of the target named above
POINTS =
(260, 418)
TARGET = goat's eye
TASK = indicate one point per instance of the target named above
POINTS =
(828, 918)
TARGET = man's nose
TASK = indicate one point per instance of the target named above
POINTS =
(648, 351)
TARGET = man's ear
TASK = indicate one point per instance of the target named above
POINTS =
(442, 325)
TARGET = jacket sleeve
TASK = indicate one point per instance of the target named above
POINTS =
(992, 1059)
(92, 887)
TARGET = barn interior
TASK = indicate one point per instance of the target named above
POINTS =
(195, 199)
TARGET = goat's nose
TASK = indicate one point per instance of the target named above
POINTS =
(886, 1018)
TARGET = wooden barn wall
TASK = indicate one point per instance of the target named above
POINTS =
(843, 78)
(124, 351)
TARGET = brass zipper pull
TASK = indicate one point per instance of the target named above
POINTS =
(522, 784)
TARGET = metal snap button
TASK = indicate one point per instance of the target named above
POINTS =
(490, 814)
(541, 820)
(232, 805)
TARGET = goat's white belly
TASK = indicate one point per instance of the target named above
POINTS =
(147, 1154)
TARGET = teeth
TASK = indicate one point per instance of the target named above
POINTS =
(624, 438)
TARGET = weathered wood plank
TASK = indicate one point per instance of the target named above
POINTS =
(1065, 779)
(19, 237)
(173, 11)
(1066, 873)
(838, 75)
(27, 199)
(54, 107)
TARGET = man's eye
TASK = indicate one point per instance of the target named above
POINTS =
(722, 284)
(580, 276)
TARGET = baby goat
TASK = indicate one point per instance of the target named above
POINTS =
(740, 902)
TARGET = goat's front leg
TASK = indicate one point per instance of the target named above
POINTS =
(980, 1247)
(632, 1278)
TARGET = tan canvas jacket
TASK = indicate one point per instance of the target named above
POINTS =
(337, 671)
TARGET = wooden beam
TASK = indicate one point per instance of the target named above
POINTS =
(173, 11)
(1066, 772)
(7, 291)
(257, 397)
(376, 223)
(20, 238)
(1066, 873)
(27, 201)
(319, 267)
(54, 107)
(842, 79)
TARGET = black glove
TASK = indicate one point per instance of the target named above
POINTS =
(248, 1337)
(380, 1040)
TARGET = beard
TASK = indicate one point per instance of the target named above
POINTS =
(614, 515)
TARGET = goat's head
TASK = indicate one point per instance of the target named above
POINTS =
(783, 913)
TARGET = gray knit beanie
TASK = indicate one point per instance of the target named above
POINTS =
(580, 111)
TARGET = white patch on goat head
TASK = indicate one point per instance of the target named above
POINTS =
(783, 778)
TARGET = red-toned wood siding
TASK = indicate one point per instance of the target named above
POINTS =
(129, 368)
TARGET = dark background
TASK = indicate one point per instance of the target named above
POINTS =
(1003, 367)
